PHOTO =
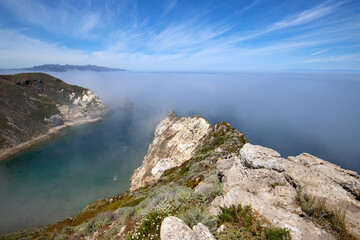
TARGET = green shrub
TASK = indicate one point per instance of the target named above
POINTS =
(244, 224)
(64, 234)
(192, 183)
(95, 224)
(149, 226)
(125, 211)
(165, 196)
(195, 215)
(272, 233)
(110, 234)
(331, 218)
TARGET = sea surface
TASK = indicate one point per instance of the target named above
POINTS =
(318, 113)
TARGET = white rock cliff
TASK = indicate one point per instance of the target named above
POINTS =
(86, 107)
(256, 176)
(175, 141)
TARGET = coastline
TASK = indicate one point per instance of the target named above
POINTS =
(52, 132)
(8, 152)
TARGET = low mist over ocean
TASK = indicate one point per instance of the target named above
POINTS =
(292, 113)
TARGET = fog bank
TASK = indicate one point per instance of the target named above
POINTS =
(292, 113)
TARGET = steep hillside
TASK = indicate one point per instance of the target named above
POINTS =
(199, 181)
(34, 104)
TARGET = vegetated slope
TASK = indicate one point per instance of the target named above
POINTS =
(33, 103)
(200, 181)
(67, 67)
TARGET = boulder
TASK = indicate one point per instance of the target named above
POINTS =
(256, 156)
(203, 188)
(173, 228)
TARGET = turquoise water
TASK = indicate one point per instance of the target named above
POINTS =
(57, 179)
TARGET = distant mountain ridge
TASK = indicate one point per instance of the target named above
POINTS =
(67, 67)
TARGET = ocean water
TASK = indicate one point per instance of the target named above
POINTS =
(57, 179)
(318, 113)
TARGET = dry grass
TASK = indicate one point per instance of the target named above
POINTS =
(333, 219)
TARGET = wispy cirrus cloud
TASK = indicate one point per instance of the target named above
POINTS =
(319, 52)
(32, 12)
(171, 5)
(303, 17)
(250, 6)
(125, 38)
(186, 35)
(87, 24)
(63, 20)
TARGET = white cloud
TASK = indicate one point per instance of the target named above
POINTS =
(88, 23)
(182, 45)
(30, 11)
(63, 19)
(319, 52)
(304, 17)
(18, 50)
(291, 21)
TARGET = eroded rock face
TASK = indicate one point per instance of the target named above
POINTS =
(173, 228)
(175, 141)
(86, 107)
(261, 178)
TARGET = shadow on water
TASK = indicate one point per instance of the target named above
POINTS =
(292, 113)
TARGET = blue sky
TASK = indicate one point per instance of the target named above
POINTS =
(175, 35)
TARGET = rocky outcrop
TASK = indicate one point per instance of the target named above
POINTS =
(259, 177)
(175, 229)
(85, 107)
(175, 141)
(255, 175)
(34, 106)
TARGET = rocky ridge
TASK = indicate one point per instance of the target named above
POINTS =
(175, 141)
(35, 106)
(259, 177)
(219, 186)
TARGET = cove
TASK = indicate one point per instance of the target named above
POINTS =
(57, 179)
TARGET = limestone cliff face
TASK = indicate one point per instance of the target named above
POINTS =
(175, 141)
(34, 105)
(84, 107)
(255, 176)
